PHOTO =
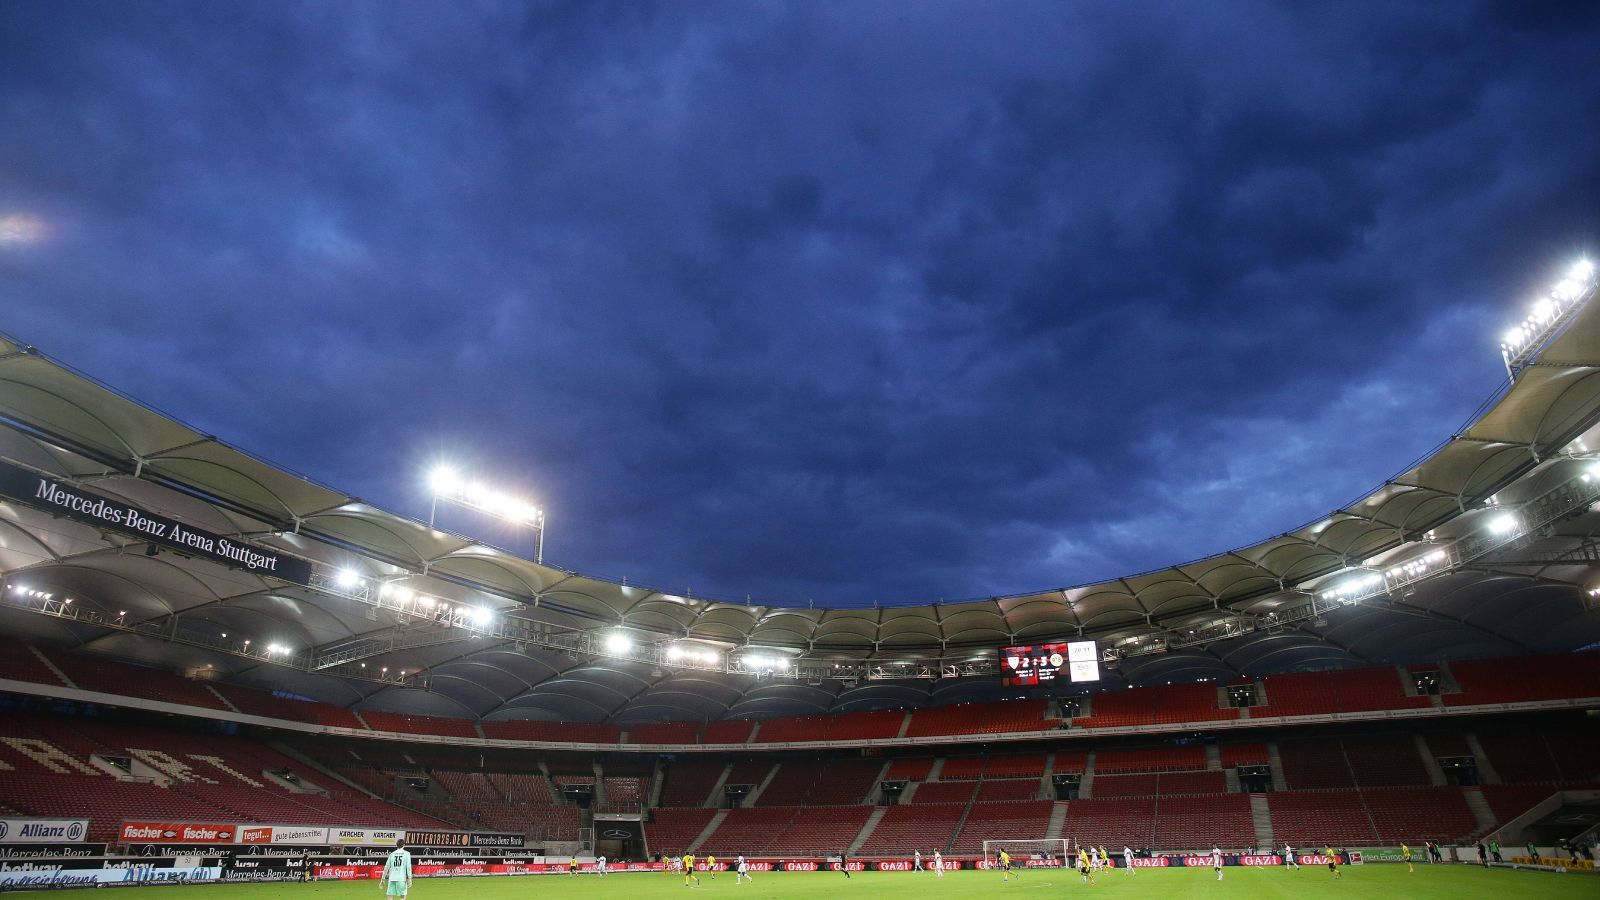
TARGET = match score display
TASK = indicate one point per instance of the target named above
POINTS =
(1043, 663)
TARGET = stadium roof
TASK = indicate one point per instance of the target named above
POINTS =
(1526, 591)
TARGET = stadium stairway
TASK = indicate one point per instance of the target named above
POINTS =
(1481, 810)
(866, 830)
(1058, 821)
(1261, 816)
(1429, 763)
(755, 795)
(50, 664)
(1486, 770)
(710, 829)
(1275, 762)
(961, 823)
(1086, 783)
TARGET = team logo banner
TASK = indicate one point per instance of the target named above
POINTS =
(82, 505)
(43, 831)
(282, 834)
(178, 832)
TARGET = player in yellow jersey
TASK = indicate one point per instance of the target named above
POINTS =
(688, 870)
(1405, 854)
(711, 866)
(1005, 866)
(1333, 861)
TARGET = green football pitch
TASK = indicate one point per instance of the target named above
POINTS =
(1388, 881)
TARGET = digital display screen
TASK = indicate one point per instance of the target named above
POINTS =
(1037, 664)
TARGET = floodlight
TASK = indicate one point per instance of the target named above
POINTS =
(1581, 270)
(618, 643)
(481, 615)
(1505, 523)
(444, 480)
(347, 578)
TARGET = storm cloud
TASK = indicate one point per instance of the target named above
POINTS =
(846, 303)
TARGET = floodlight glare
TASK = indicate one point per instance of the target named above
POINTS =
(618, 643)
(1582, 270)
(347, 578)
(444, 480)
(481, 615)
(1505, 523)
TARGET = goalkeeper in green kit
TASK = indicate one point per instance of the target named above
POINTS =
(397, 871)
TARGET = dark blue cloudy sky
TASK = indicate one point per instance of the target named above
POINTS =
(850, 302)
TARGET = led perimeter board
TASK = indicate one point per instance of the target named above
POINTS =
(1036, 664)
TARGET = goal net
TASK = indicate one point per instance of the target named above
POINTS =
(1022, 851)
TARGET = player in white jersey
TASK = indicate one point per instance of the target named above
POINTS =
(1216, 860)
(916, 861)
(600, 865)
(1289, 860)
(1127, 859)
(938, 863)
(741, 872)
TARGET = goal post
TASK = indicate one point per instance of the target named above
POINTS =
(1022, 851)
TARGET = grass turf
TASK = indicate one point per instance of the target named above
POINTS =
(1453, 882)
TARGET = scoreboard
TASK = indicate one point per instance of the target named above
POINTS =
(1036, 664)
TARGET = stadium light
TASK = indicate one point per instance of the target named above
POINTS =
(1519, 345)
(448, 484)
(1504, 523)
(347, 578)
(618, 643)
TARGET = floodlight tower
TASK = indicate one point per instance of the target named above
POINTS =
(1549, 315)
(447, 484)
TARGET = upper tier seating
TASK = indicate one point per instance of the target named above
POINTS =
(1015, 765)
(939, 792)
(821, 782)
(689, 781)
(526, 730)
(1153, 759)
(855, 726)
(1007, 789)
(1384, 761)
(1314, 764)
(18, 663)
(384, 721)
(1250, 754)
(1175, 783)
(980, 718)
(1526, 678)
(914, 768)
(1190, 703)
(1134, 706)
(92, 673)
(727, 731)
(1124, 785)
(664, 733)
(261, 703)
(962, 768)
